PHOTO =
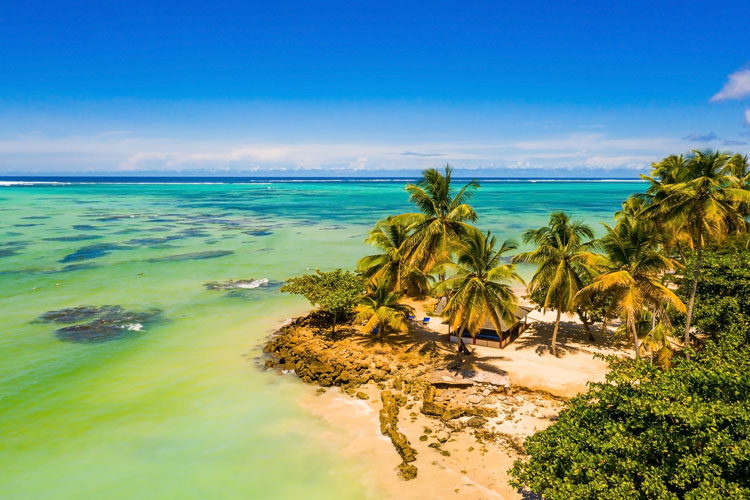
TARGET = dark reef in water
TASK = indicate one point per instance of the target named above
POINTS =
(92, 252)
(75, 237)
(76, 267)
(97, 324)
(258, 232)
(192, 256)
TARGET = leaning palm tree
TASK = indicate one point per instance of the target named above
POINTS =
(699, 198)
(389, 236)
(380, 307)
(479, 287)
(631, 271)
(443, 218)
(563, 249)
(392, 266)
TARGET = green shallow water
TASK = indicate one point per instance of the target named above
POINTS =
(181, 409)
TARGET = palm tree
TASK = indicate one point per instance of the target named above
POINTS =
(478, 287)
(739, 167)
(389, 236)
(381, 307)
(443, 218)
(631, 269)
(561, 255)
(698, 197)
(391, 266)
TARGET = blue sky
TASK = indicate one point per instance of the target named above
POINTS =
(498, 88)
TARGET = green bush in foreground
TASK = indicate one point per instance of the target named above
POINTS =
(651, 434)
(723, 294)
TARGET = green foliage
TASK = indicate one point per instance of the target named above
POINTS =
(391, 266)
(649, 433)
(442, 221)
(335, 292)
(723, 294)
(381, 308)
(562, 258)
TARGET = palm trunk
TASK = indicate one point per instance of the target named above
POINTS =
(696, 274)
(585, 322)
(380, 330)
(633, 329)
(554, 332)
(460, 355)
(604, 326)
(333, 328)
(682, 254)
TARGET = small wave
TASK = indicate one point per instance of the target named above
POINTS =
(253, 283)
(32, 183)
(135, 327)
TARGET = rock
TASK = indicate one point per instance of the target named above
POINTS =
(429, 408)
(362, 395)
(476, 422)
(466, 378)
(455, 412)
(407, 471)
(474, 399)
(429, 394)
(442, 436)
(389, 427)
(483, 411)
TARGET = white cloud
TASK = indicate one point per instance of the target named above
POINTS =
(737, 87)
(630, 162)
(130, 152)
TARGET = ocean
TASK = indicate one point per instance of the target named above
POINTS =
(170, 400)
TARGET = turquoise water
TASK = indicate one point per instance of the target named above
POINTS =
(175, 406)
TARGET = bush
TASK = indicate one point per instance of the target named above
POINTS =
(648, 433)
(722, 300)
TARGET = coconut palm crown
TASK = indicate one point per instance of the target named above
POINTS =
(562, 253)
(479, 286)
(380, 307)
(443, 217)
(701, 198)
(631, 269)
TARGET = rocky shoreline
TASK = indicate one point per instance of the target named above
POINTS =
(410, 383)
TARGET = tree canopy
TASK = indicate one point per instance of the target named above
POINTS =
(335, 292)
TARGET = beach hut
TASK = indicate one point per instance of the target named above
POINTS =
(488, 336)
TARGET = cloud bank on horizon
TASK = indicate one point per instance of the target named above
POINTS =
(519, 89)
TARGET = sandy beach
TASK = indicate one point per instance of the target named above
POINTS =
(453, 460)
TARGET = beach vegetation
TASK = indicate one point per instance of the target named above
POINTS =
(631, 268)
(391, 267)
(700, 197)
(563, 254)
(334, 292)
(380, 308)
(479, 287)
(648, 432)
(444, 218)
